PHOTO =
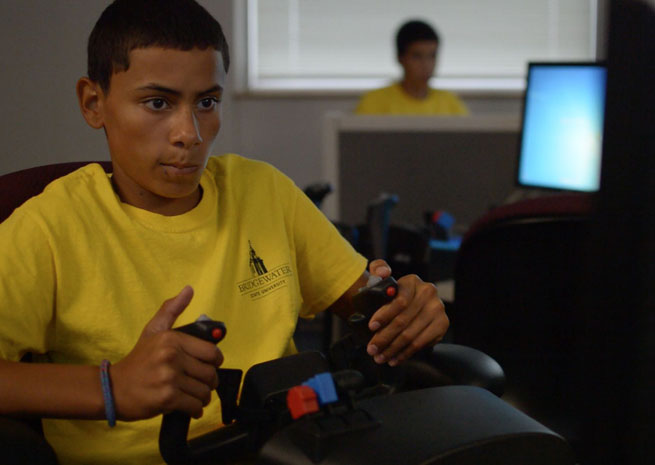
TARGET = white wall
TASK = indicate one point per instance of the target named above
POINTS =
(43, 53)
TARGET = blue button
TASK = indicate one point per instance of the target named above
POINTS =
(323, 385)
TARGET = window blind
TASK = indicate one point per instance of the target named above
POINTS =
(350, 44)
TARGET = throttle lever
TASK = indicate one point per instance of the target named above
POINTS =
(175, 425)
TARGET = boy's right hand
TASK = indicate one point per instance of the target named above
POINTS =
(166, 370)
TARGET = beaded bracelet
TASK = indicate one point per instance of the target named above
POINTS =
(110, 410)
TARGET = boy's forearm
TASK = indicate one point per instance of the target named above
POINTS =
(50, 390)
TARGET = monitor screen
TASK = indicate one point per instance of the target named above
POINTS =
(562, 128)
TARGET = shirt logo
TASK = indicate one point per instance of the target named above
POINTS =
(257, 266)
(263, 282)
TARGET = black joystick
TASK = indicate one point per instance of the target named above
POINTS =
(367, 301)
(205, 328)
(349, 353)
(175, 425)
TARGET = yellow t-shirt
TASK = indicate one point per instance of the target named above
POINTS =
(82, 273)
(393, 100)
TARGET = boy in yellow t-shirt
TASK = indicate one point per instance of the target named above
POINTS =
(94, 256)
(417, 44)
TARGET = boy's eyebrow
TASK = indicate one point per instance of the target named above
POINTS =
(177, 93)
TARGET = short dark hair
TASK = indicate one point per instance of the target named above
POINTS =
(129, 24)
(413, 31)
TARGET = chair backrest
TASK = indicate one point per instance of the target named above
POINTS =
(19, 186)
(518, 275)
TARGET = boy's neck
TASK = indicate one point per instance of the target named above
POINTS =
(418, 90)
(157, 204)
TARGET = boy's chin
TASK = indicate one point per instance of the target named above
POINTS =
(181, 180)
(182, 173)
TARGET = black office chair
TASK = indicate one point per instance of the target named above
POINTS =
(518, 279)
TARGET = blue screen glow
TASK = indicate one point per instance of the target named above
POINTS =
(563, 127)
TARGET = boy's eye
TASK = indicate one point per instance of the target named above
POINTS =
(156, 104)
(208, 103)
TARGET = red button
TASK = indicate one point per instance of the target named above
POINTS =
(301, 400)
(391, 291)
(217, 334)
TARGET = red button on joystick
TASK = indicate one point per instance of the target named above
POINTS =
(301, 400)
(217, 334)
(391, 291)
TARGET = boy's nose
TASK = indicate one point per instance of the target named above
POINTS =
(185, 132)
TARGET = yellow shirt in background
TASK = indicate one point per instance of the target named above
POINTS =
(393, 100)
(81, 273)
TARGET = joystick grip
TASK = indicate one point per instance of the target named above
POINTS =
(366, 302)
(206, 329)
(175, 425)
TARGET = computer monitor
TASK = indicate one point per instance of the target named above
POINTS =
(561, 138)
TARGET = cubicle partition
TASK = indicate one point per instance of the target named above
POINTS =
(463, 165)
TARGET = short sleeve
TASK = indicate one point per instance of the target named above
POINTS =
(27, 280)
(327, 264)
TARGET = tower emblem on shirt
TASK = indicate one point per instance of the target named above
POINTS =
(257, 266)
(263, 281)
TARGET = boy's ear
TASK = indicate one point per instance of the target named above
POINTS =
(90, 96)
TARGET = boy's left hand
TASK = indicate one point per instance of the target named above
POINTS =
(415, 319)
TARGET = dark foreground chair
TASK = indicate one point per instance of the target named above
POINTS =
(518, 280)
